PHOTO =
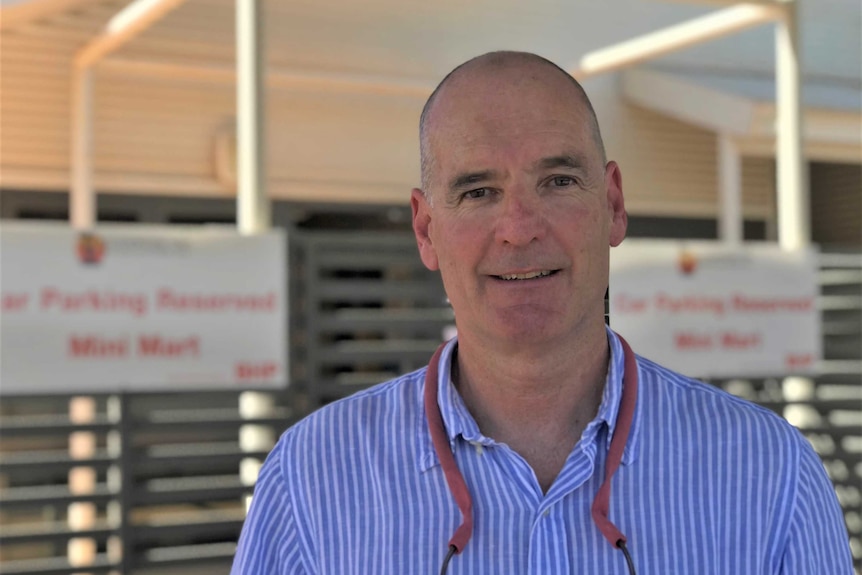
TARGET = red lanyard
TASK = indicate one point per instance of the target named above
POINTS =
(458, 487)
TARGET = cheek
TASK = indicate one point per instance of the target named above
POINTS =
(458, 247)
(579, 224)
(585, 235)
(452, 234)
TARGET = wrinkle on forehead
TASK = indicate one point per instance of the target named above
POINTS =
(492, 143)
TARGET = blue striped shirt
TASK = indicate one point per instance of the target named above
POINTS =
(709, 484)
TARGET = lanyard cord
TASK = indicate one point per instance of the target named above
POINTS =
(602, 502)
(454, 479)
(458, 487)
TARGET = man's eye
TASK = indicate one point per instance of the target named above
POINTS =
(476, 194)
(562, 181)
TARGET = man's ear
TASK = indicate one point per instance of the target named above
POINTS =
(422, 229)
(616, 204)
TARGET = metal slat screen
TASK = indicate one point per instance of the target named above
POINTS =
(828, 408)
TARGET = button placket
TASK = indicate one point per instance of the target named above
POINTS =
(546, 553)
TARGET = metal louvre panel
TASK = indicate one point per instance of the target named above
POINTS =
(370, 310)
(836, 215)
(828, 408)
(167, 488)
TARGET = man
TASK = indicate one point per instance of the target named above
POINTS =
(517, 211)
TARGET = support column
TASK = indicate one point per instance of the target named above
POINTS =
(81, 551)
(794, 209)
(253, 212)
(82, 201)
(253, 209)
(120, 479)
(794, 200)
(730, 218)
(82, 410)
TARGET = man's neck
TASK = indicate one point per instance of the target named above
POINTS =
(537, 401)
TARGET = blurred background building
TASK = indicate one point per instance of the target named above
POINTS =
(346, 82)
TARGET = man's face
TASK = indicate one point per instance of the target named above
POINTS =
(521, 211)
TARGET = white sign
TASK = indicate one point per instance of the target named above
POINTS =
(707, 310)
(140, 308)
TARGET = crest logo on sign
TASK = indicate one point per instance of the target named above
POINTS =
(90, 249)
(687, 262)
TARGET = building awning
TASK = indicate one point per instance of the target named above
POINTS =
(743, 108)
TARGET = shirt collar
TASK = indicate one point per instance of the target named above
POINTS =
(459, 422)
(611, 398)
(456, 417)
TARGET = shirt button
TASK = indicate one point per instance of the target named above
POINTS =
(547, 512)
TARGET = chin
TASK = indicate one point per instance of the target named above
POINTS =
(528, 328)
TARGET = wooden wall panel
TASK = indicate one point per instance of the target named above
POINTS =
(758, 186)
(158, 134)
(34, 102)
(344, 137)
(669, 167)
(145, 126)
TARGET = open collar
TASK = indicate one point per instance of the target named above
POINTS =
(460, 423)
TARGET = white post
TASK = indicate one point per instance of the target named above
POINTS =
(794, 227)
(253, 212)
(82, 201)
(730, 218)
(81, 551)
(82, 410)
(252, 200)
(133, 19)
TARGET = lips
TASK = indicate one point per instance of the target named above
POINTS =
(527, 275)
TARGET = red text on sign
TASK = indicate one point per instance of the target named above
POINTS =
(735, 340)
(159, 346)
(89, 301)
(624, 303)
(246, 370)
(692, 340)
(94, 346)
(15, 301)
(728, 340)
(83, 346)
(798, 360)
(747, 303)
(689, 304)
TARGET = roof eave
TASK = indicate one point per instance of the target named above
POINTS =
(23, 13)
(830, 135)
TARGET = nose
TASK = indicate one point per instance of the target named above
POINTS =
(521, 219)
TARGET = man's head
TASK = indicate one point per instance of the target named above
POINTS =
(499, 59)
(519, 206)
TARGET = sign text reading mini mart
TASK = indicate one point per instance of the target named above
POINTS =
(707, 310)
(140, 308)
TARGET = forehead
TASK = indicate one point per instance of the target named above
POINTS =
(517, 110)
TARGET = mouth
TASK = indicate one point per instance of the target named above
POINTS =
(527, 275)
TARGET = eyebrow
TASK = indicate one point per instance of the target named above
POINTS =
(574, 162)
(470, 178)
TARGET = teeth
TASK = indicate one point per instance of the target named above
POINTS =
(526, 276)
